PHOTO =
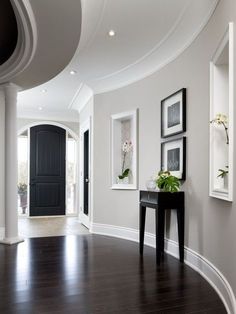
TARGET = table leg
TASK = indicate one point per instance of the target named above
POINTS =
(160, 220)
(180, 219)
(142, 216)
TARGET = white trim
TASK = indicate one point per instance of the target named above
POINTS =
(193, 259)
(2, 232)
(84, 219)
(81, 97)
(49, 122)
(224, 194)
(76, 209)
(26, 43)
(76, 137)
(102, 88)
(133, 117)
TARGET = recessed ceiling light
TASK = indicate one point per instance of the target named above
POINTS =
(40, 108)
(44, 90)
(73, 72)
(111, 33)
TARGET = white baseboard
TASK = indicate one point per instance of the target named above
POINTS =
(2, 232)
(199, 263)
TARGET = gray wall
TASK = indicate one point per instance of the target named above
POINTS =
(210, 223)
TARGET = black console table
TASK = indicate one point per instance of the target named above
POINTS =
(161, 201)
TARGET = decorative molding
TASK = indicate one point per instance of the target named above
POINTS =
(82, 96)
(91, 38)
(196, 261)
(83, 218)
(153, 50)
(116, 145)
(99, 89)
(60, 125)
(26, 44)
(222, 101)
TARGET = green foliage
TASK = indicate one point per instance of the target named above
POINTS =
(22, 188)
(167, 183)
(124, 174)
(223, 173)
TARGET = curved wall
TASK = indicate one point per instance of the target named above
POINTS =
(8, 31)
(210, 223)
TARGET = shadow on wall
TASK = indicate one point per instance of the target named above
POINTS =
(196, 218)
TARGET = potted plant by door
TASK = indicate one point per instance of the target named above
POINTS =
(22, 192)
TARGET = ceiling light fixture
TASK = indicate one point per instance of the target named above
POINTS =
(111, 33)
(43, 90)
(40, 108)
(73, 72)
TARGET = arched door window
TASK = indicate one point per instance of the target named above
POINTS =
(71, 173)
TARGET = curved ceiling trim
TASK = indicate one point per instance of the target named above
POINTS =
(26, 44)
(106, 86)
(97, 25)
(153, 50)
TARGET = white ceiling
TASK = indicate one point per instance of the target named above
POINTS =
(149, 34)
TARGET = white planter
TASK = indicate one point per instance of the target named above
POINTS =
(123, 181)
(226, 182)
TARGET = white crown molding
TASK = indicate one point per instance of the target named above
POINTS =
(81, 97)
(196, 261)
(106, 84)
(91, 38)
(26, 43)
(153, 50)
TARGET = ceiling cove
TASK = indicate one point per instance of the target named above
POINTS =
(147, 37)
(8, 31)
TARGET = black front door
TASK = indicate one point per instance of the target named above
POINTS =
(86, 172)
(47, 170)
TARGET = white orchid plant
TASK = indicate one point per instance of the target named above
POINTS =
(126, 148)
(221, 119)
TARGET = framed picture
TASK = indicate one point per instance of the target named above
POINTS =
(173, 114)
(173, 157)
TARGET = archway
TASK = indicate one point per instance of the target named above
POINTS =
(71, 157)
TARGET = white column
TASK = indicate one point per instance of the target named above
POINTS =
(11, 215)
(2, 164)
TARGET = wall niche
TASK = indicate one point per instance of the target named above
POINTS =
(124, 151)
(221, 118)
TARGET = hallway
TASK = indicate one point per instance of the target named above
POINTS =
(92, 274)
(48, 227)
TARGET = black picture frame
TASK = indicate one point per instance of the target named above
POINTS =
(175, 151)
(173, 114)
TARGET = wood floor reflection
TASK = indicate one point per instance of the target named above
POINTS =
(91, 274)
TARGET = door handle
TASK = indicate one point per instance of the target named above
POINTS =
(87, 180)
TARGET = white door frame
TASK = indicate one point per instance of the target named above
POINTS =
(84, 219)
(76, 138)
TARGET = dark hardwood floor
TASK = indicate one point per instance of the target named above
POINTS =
(88, 274)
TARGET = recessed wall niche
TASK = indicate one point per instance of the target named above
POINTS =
(221, 118)
(124, 151)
